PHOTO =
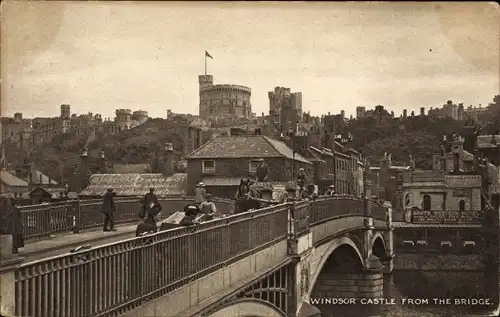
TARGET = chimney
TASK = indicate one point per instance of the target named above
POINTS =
(50, 182)
(168, 160)
(41, 180)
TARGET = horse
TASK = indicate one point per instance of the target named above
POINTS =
(243, 200)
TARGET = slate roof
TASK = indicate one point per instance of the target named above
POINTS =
(45, 179)
(484, 141)
(10, 179)
(136, 184)
(131, 168)
(244, 146)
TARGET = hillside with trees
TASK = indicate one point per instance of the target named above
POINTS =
(138, 145)
(418, 136)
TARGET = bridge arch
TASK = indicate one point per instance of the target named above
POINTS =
(345, 245)
(378, 246)
(248, 307)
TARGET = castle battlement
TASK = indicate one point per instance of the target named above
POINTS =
(227, 88)
(123, 112)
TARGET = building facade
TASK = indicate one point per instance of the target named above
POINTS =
(36, 131)
(219, 102)
(223, 161)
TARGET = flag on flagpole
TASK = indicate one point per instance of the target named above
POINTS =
(208, 55)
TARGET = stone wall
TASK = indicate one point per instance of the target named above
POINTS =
(349, 285)
(442, 262)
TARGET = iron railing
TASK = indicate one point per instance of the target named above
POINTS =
(41, 221)
(112, 279)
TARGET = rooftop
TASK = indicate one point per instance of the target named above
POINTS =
(484, 141)
(135, 184)
(245, 146)
(11, 180)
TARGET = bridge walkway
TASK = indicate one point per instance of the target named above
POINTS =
(63, 242)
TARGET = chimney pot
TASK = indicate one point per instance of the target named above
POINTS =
(102, 154)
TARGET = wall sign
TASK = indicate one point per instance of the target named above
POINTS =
(445, 217)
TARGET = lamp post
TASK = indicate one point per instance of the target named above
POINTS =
(291, 133)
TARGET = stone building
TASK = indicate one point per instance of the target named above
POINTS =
(449, 109)
(223, 161)
(36, 131)
(219, 102)
(285, 109)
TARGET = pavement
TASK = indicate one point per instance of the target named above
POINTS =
(62, 243)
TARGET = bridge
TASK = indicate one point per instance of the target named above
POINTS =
(266, 262)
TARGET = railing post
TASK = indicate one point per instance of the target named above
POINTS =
(292, 229)
(76, 216)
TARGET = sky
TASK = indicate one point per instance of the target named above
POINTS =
(99, 57)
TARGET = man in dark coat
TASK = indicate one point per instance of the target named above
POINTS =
(190, 211)
(150, 197)
(108, 209)
(301, 177)
(262, 171)
(149, 224)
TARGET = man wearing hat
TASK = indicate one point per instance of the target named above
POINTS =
(330, 191)
(108, 208)
(199, 193)
(262, 171)
(301, 177)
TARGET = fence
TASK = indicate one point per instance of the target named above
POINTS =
(325, 208)
(41, 221)
(112, 279)
(117, 277)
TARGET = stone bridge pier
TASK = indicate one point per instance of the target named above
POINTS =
(342, 276)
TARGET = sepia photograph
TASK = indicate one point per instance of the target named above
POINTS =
(249, 159)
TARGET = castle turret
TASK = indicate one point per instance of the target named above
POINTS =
(205, 81)
(123, 119)
(65, 111)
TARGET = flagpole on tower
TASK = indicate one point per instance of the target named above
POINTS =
(207, 55)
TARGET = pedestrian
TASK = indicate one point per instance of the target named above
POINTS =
(108, 208)
(150, 197)
(149, 224)
(190, 213)
(199, 193)
(301, 177)
(208, 207)
(262, 171)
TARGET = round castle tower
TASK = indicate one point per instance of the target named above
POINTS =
(223, 101)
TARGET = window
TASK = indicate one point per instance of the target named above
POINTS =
(208, 166)
(461, 205)
(252, 166)
(426, 203)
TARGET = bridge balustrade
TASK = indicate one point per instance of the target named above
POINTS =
(41, 221)
(115, 278)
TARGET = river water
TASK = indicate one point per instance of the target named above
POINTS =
(403, 286)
